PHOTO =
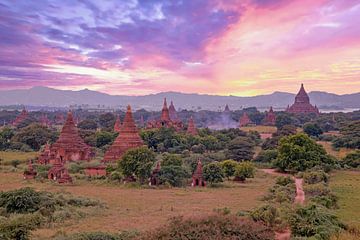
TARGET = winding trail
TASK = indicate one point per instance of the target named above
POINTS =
(299, 199)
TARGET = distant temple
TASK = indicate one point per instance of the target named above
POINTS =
(20, 118)
(117, 125)
(70, 146)
(128, 138)
(191, 129)
(244, 120)
(59, 118)
(270, 117)
(44, 120)
(165, 120)
(302, 104)
(172, 112)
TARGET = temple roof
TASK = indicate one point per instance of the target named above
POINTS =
(165, 112)
(191, 127)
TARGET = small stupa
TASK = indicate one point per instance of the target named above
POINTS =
(197, 177)
(270, 117)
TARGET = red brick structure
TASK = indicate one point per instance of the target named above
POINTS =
(302, 104)
(172, 112)
(244, 120)
(270, 117)
(165, 120)
(117, 125)
(95, 171)
(197, 177)
(21, 117)
(128, 138)
(59, 173)
(154, 178)
(59, 118)
(44, 120)
(70, 146)
(45, 155)
(30, 173)
(191, 129)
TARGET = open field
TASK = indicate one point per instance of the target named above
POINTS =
(7, 157)
(143, 209)
(341, 153)
(260, 129)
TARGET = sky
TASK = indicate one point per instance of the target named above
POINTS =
(224, 47)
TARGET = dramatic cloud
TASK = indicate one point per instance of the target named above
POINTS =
(241, 47)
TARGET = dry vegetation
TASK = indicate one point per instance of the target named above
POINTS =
(260, 129)
(7, 157)
(339, 154)
(143, 209)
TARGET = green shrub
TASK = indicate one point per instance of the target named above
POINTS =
(229, 167)
(266, 156)
(24, 200)
(173, 175)
(213, 173)
(313, 177)
(284, 180)
(352, 160)
(19, 227)
(318, 189)
(244, 170)
(329, 201)
(215, 227)
(75, 168)
(314, 221)
(267, 214)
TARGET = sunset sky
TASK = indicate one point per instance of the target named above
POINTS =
(137, 47)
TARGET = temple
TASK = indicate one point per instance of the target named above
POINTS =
(302, 104)
(165, 120)
(244, 120)
(172, 112)
(128, 138)
(58, 172)
(197, 177)
(44, 120)
(191, 129)
(21, 117)
(117, 125)
(30, 173)
(270, 118)
(45, 155)
(70, 146)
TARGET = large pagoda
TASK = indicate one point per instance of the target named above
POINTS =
(302, 104)
(70, 146)
(128, 138)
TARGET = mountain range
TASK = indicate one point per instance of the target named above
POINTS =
(49, 97)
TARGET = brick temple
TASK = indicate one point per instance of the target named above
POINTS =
(270, 117)
(172, 112)
(165, 120)
(21, 117)
(128, 138)
(197, 177)
(117, 125)
(70, 146)
(245, 120)
(302, 104)
(191, 129)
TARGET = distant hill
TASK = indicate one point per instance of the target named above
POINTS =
(44, 96)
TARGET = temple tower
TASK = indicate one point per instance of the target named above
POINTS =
(302, 103)
(191, 127)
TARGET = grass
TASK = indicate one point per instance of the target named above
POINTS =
(260, 129)
(7, 157)
(143, 209)
(339, 154)
(346, 185)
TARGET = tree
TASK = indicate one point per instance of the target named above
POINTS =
(299, 152)
(283, 119)
(173, 175)
(244, 170)
(35, 136)
(171, 160)
(229, 167)
(240, 149)
(137, 162)
(312, 129)
(107, 121)
(213, 173)
(103, 138)
(352, 160)
(87, 124)
(266, 156)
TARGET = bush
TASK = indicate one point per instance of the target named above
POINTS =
(15, 163)
(313, 177)
(352, 160)
(318, 189)
(19, 227)
(283, 191)
(173, 175)
(24, 200)
(244, 170)
(284, 181)
(314, 221)
(213, 173)
(266, 156)
(215, 227)
(99, 236)
(229, 167)
(267, 214)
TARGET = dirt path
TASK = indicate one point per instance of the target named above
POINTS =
(299, 199)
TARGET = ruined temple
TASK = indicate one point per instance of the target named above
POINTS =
(21, 117)
(244, 120)
(117, 125)
(191, 129)
(70, 146)
(165, 120)
(270, 117)
(197, 177)
(302, 104)
(45, 155)
(172, 112)
(128, 138)
(30, 173)
(58, 172)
